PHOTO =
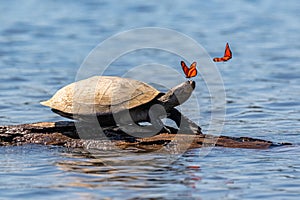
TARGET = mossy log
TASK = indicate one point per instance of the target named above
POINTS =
(64, 133)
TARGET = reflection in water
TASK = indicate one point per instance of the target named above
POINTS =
(135, 171)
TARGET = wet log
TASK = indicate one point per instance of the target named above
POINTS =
(64, 133)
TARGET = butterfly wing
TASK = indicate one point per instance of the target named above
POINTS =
(227, 55)
(184, 68)
(217, 59)
(192, 71)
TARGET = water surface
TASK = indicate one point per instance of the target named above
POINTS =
(42, 45)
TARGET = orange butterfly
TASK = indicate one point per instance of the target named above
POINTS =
(227, 55)
(189, 72)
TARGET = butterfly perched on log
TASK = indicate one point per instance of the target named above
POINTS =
(227, 55)
(189, 72)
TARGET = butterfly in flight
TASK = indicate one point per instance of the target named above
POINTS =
(227, 55)
(189, 72)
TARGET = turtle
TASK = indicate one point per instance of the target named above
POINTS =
(123, 102)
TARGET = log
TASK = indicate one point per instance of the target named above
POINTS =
(64, 133)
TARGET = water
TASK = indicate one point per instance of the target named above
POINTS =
(42, 45)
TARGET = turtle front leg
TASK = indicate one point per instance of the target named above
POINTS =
(184, 124)
(139, 131)
(129, 122)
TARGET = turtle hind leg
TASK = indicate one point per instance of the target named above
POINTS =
(185, 125)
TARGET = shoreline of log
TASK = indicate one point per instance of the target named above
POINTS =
(64, 133)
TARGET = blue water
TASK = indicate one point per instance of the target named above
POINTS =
(43, 44)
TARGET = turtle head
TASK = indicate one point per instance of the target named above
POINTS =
(177, 95)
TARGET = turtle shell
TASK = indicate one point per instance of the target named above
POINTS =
(101, 95)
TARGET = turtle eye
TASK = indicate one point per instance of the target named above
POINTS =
(193, 84)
